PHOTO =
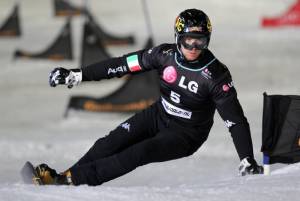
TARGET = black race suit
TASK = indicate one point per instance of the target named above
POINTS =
(176, 125)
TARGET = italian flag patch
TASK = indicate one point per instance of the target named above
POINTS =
(133, 63)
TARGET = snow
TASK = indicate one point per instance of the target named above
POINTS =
(284, 186)
(32, 126)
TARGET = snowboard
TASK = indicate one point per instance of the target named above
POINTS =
(29, 174)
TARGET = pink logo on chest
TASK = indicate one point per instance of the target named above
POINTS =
(170, 74)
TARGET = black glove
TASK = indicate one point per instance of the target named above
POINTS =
(249, 166)
(65, 76)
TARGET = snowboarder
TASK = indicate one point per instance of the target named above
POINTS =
(193, 84)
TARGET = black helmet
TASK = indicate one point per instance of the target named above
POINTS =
(194, 23)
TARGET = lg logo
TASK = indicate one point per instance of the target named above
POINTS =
(192, 86)
(226, 87)
(170, 76)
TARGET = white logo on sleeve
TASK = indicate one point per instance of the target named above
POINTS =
(126, 126)
(116, 70)
(229, 123)
(226, 87)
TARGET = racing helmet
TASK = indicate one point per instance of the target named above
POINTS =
(192, 23)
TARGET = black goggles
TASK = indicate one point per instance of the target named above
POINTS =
(191, 43)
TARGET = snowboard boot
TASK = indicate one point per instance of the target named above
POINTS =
(49, 176)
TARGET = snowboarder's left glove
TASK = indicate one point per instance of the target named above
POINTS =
(249, 166)
(68, 77)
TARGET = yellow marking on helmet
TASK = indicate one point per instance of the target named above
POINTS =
(209, 28)
(179, 24)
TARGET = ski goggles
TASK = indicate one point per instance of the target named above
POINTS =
(190, 43)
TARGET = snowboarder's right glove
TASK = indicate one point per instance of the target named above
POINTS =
(249, 166)
(68, 77)
(49, 176)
